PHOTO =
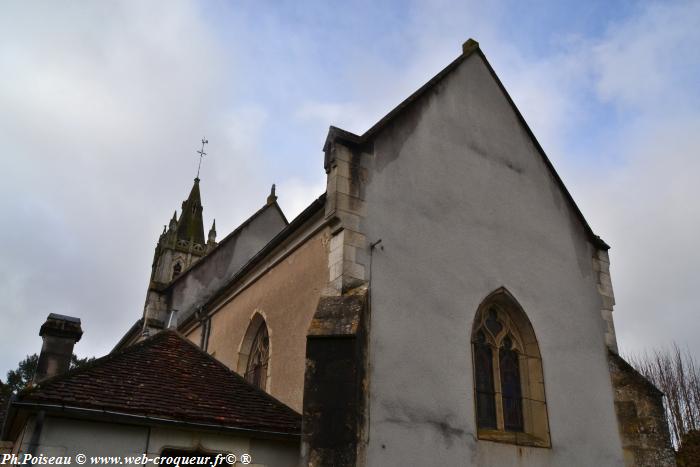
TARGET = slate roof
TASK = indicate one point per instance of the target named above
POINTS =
(292, 227)
(167, 377)
(231, 237)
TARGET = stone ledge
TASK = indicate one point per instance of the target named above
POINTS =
(510, 437)
(338, 316)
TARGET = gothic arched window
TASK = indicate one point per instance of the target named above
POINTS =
(508, 380)
(257, 347)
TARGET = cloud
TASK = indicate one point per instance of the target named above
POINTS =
(103, 106)
(346, 115)
(617, 111)
(651, 59)
(646, 209)
(294, 194)
(643, 200)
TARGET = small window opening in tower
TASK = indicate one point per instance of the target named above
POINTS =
(177, 269)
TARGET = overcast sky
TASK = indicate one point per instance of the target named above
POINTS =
(103, 104)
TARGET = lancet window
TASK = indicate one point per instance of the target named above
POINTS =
(508, 380)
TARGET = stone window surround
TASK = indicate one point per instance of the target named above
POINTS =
(257, 319)
(515, 322)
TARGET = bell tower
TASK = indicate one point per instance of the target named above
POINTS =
(181, 244)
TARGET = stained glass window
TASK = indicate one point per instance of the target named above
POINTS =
(485, 394)
(510, 386)
(492, 323)
(256, 370)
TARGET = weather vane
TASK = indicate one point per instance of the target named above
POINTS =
(201, 155)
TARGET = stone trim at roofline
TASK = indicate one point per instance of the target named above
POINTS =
(601, 266)
(470, 47)
(346, 209)
(234, 233)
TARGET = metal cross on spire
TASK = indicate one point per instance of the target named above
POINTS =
(201, 155)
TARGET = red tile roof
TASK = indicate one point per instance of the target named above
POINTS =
(166, 376)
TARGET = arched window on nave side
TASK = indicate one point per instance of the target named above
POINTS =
(255, 353)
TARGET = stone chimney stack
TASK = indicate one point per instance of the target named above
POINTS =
(60, 333)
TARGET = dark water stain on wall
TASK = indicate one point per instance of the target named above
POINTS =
(403, 414)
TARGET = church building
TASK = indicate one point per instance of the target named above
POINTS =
(443, 302)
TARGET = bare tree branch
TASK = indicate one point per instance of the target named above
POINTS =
(677, 374)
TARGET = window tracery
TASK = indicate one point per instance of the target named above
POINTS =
(256, 368)
(508, 381)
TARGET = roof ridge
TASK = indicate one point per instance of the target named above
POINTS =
(595, 239)
(90, 365)
(469, 48)
(149, 341)
(132, 330)
(262, 252)
(230, 235)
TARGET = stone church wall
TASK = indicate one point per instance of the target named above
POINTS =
(464, 204)
(286, 296)
(640, 411)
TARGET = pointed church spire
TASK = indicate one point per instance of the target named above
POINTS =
(173, 222)
(211, 241)
(212, 232)
(191, 225)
